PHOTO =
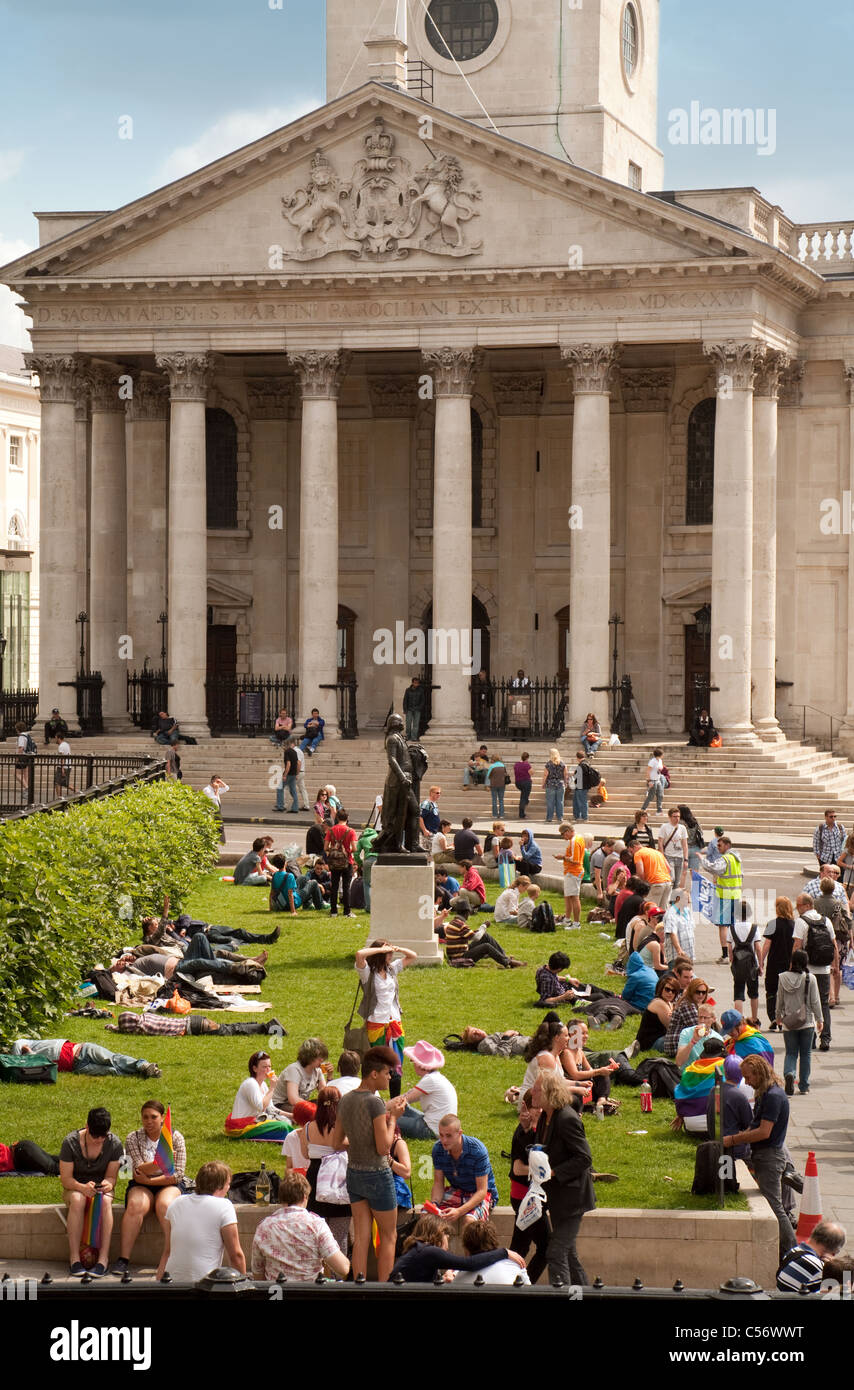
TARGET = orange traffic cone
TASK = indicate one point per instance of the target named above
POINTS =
(810, 1212)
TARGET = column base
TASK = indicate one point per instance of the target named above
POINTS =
(193, 728)
(119, 724)
(844, 741)
(741, 736)
(769, 731)
(440, 728)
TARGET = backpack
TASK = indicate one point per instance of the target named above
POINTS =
(695, 838)
(664, 775)
(705, 1182)
(819, 943)
(590, 777)
(31, 745)
(744, 967)
(663, 1076)
(335, 854)
(543, 918)
(27, 1069)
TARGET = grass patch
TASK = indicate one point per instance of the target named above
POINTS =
(311, 983)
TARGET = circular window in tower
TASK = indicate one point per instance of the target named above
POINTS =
(630, 40)
(463, 29)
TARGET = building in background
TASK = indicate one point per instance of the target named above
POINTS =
(20, 428)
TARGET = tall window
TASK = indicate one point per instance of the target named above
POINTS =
(466, 27)
(700, 472)
(476, 469)
(16, 452)
(630, 40)
(221, 462)
(635, 176)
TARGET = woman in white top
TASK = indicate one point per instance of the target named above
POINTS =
(380, 1006)
(545, 1052)
(255, 1094)
(201, 1230)
(507, 903)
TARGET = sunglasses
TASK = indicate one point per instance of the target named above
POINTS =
(700, 993)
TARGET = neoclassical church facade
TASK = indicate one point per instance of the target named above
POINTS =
(442, 354)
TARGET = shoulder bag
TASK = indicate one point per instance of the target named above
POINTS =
(355, 1039)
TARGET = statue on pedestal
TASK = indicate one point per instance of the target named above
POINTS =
(407, 764)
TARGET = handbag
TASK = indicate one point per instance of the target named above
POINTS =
(332, 1180)
(799, 1017)
(177, 1004)
(355, 1039)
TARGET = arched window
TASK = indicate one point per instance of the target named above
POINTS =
(476, 469)
(700, 470)
(630, 40)
(221, 464)
(17, 532)
(466, 27)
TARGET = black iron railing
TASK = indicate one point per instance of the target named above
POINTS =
(223, 701)
(348, 723)
(38, 781)
(17, 707)
(148, 694)
(504, 709)
(89, 685)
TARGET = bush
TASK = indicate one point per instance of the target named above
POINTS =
(73, 883)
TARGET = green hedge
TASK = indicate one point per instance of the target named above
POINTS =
(73, 884)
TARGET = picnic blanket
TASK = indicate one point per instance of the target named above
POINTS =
(260, 1131)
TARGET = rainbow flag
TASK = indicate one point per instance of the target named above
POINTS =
(92, 1221)
(263, 1131)
(695, 1085)
(164, 1154)
(751, 1042)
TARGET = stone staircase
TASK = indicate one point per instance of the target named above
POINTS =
(783, 788)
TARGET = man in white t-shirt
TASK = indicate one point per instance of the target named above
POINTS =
(673, 844)
(215, 789)
(478, 1236)
(201, 1233)
(432, 1091)
(62, 775)
(300, 774)
(654, 780)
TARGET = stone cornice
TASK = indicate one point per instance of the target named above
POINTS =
(320, 374)
(189, 374)
(454, 370)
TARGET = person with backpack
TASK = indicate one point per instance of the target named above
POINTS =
(338, 847)
(25, 748)
(573, 870)
(673, 844)
(742, 940)
(816, 936)
(579, 788)
(800, 1017)
(696, 843)
(656, 782)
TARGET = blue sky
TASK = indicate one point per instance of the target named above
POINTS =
(201, 77)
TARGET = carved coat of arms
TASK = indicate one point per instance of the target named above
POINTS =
(385, 211)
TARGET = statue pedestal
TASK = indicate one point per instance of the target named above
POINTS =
(402, 905)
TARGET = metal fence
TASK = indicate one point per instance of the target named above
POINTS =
(18, 707)
(147, 695)
(39, 780)
(88, 685)
(505, 709)
(223, 701)
(348, 722)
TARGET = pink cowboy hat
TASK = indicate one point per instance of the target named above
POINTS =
(425, 1055)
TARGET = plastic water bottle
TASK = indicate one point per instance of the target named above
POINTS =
(600, 1109)
(646, 1097)
(262, 1188)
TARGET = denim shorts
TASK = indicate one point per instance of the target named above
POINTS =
(374, 1186)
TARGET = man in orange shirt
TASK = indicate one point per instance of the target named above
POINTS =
(653, 868)
(573, 872)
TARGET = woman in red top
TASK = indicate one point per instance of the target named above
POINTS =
(338, 851)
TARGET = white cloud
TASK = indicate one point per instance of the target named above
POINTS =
(13, 325)
(10, 163)
(230, 133)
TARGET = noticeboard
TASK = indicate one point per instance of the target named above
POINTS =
(251, 712)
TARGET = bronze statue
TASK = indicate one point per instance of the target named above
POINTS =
(407, 764)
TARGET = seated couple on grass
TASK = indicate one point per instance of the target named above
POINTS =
(291, 890)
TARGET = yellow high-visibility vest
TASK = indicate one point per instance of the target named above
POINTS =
(728, 885)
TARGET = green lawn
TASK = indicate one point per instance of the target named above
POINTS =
(311, 982)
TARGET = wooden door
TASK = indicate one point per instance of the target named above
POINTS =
(222, 649)
(697, 664)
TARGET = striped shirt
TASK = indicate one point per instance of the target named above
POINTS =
(801, 1269)
(150, 1023)
(457, 937)
(827, 842)
(140, 1149)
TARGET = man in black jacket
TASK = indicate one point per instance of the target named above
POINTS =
(414, 697)
(569, 1191)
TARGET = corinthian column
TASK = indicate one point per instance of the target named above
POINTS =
(320, 376)
(846, 732)
(453, 371)
(732, 538)
(589, 525)
(147, 483)
(189, 376)
(59, 381)
(763, 645)
(108, 612)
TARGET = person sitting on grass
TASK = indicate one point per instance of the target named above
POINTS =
(527, 903)
(150, 1189)
(255, 1095)
(248, 872)
(530, 859)
(552, 986)
(201, 1230)
(463, 1182)
(304, 1077)
(322, 877)
(432, 1091)
(425, 1253)
(462, 943)
(293, 1243)
(507, 903)
(472, 892)
(545, 1053)
(349, 1070)
(447, 887)
(578, 1068)
(88, 1167)
(285, 892)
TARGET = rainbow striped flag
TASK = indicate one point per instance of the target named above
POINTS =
(695, 1084)
(92, 1221)
(751, 1042)
(164, 1154)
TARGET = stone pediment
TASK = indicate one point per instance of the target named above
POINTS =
(373, 180)
(222, 595)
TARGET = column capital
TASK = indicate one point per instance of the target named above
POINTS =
(58, 373)
(646, 388)
(320, 373)
(103, 378)
(269, 397)
(790, 382)
(453, 369)
(735, 364)
(770, 373)
(591, 365)
(150, 400)
(189, 374)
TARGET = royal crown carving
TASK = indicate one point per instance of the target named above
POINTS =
(384, 211)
